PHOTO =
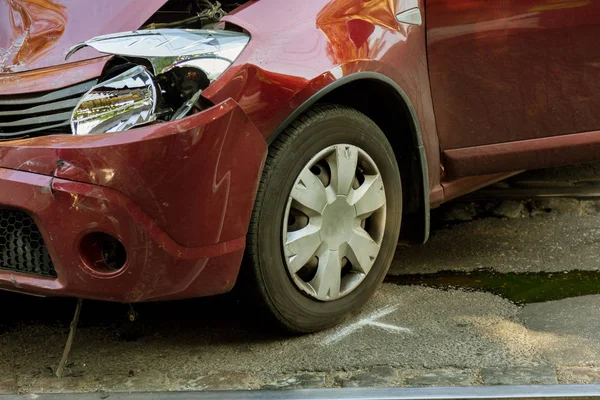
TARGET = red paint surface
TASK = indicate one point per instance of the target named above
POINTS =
(306, 46)
(156, 267)
(195, 177)
(40, 80)
(512, 70)
(527, 154)
(38, 33)
(178, 195)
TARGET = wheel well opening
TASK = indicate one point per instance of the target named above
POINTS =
(386, 107)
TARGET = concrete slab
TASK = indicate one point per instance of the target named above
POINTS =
(373, 377)
(567, 331)
(538, 375)
(544, 243)
(443, 378)
(579, 375)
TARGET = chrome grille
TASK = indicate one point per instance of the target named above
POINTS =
(42, 113)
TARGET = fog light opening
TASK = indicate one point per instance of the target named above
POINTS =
(103, 253)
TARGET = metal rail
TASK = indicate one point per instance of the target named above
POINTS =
(555, 392)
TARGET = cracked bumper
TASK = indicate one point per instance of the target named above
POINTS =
(177, 195)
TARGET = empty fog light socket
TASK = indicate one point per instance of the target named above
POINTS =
(103, 253)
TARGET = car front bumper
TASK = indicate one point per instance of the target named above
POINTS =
(177, 195)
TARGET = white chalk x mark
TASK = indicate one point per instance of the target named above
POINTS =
(369, 320)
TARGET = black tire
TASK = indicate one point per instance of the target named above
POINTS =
(320, 127)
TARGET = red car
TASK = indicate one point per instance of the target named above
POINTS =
(147, 147)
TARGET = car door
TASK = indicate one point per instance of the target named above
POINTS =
(515, 83)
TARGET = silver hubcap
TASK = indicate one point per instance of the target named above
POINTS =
(334, 222)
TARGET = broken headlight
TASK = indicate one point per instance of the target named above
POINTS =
(169, 70)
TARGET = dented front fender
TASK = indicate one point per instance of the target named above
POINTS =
(195, 177)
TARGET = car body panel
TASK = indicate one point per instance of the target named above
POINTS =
(156, 268)
(285, 64)
(212, 158)
(52, 78)
(506, 71)
(37, 34)
(178, 195)
(527, 154)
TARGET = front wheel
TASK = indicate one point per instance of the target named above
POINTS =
(327, 218)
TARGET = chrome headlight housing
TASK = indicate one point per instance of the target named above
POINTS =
(182, 63)
(117, 104)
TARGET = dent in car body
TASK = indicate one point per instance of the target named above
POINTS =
(178, 195)
(36, 27)
(38, 33)
(196, 177)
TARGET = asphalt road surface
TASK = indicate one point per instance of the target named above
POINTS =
(484, 302)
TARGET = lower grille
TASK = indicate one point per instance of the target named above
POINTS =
(22, 248)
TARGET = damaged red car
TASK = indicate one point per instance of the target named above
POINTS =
(148, 148)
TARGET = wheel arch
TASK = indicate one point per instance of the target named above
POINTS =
(384, 101)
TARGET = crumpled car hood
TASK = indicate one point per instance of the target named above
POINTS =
(38, 33)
